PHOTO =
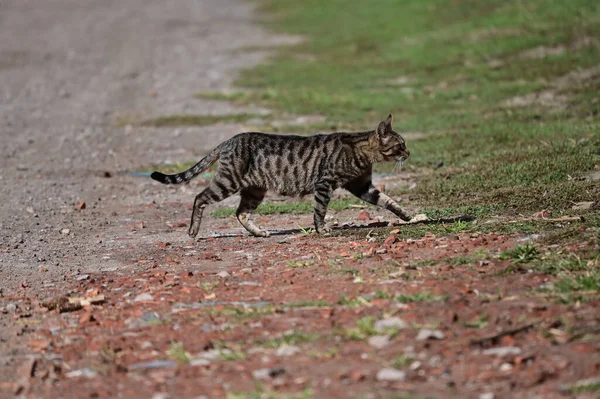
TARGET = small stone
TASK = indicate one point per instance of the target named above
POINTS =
(582, 206)
(65, 231)
(160, 395)
(223, 274)
(379, 341)
(426, 334)
(153, 364)
(390, 374)
(393, 323)
(487, 395)
(29, 209)
(143, 297)
(83, 277)
(261, 374)
(506, 367)
(502, 351)
(85, 373)
(246, 270)
(199, 362)
(11, 307)
(287, 350)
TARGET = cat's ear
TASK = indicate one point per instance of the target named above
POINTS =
(385, 126)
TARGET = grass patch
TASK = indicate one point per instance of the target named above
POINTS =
(294, 208)
(292, 338)
(198, 120)
(521, 254)
(420, 297)
(177, 352)
(429, 65)
(363, 330)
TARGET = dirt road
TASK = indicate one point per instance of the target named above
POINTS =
(69, 72)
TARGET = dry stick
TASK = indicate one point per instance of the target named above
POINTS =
(494, 338)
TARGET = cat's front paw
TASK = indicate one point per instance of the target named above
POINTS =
(406, 217)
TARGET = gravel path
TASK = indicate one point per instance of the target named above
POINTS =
(69, 71)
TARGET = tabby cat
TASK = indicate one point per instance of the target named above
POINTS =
(253, 163)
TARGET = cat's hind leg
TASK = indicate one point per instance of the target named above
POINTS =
(251, 199)
(216, 191)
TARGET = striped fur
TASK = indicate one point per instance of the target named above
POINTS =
(254, 163)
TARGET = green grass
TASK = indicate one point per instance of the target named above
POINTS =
(420, 297)
(177, 352)
(198, 120)
(295, 208)
(293, 338)
(521, 254)
(428, 63)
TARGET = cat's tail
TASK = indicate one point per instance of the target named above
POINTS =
(192, 172)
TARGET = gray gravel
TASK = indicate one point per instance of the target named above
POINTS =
(69, 72)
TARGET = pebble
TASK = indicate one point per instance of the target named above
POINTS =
(65, 231)
(287, 350)
(143, 297)
(506, 367)
(390, 374)
(199, 362)
(83, 277)
(502, 351)
(379, 341)
(11, 307)
(395, 323)
(223, 274)
(267, 373)
(426, 334)
(246, 270)
(153, 364)
(487, 395)
(85, 373)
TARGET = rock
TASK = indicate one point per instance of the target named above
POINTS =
(11, 307)
(85, 373)
(487, 395)
(223, 274)
(506, 367)
(364, 215)
(426, 334)
(379, 341)
(83, 277)
(393, 323)
(152, 364)
(502, 351)
(261, 374)
(582, 206)
(143, 297)
(287, 350)
(390, 374)
(200, 361)
(246, 270)
(65, 231)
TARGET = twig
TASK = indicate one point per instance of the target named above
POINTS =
(493, 339)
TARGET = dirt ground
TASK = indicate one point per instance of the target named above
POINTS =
(155, 314)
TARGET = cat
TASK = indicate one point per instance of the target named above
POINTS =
(253, 163)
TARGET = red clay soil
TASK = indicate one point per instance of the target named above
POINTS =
(297, 313)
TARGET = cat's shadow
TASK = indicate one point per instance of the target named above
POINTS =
(337, 229)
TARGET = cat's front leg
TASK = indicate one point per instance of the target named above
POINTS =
(322, 196)
(367, 192)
